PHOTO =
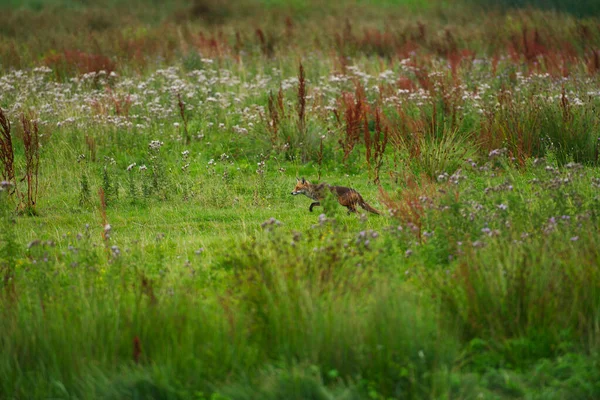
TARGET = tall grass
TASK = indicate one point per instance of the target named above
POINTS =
(101, 336)
(524, 293)
(584, 8)
(195, 274)
(338, 308)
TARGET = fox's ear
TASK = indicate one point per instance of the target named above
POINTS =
(297, 179)
(303, 180)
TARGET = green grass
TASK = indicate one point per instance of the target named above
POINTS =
(584, 8)
(328, 317)
(204, 278)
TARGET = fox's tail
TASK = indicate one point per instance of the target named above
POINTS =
(367, 207)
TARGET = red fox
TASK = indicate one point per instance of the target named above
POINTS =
(347, 197)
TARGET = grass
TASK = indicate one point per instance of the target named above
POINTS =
(165, 257)
(584, 8)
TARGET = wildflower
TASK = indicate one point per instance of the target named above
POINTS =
(296, 236)
(115, 251)
(261, 166)
(155, 145)
(130, 166)
(5, 185)
(496, 153)
(478, 244)
(550, 225)
(456, 177)
(502, 207)
(270, 222)
(414, 228)
(143, 168)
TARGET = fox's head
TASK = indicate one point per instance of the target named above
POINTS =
(301, 186)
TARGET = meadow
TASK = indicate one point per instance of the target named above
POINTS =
(150, 247)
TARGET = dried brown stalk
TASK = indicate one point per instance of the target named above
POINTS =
(301, 100)
(379, 145)
(7, 156)
(31, 143)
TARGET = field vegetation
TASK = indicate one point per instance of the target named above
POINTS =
(150, 247)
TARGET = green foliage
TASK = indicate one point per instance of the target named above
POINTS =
(583, 8)
(573, 134)
(109, 183)
(84, 190)
(207, 279)
(8, 245)
(446, 154)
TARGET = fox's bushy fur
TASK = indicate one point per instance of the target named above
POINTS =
(346, 196)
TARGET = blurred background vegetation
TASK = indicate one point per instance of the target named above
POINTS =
(479, 284)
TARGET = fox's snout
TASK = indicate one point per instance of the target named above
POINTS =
(301, 187)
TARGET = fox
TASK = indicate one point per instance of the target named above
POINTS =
(346, 196)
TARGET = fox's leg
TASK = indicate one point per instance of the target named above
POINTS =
(352, 208)
(349, 199)
(316, 203)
